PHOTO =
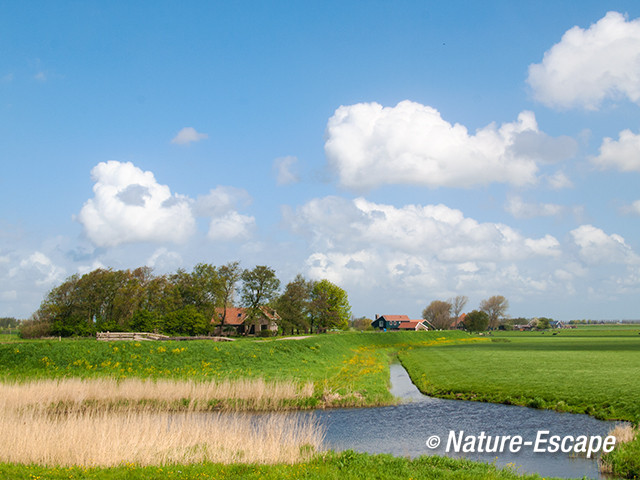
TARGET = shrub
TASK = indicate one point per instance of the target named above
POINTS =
(35, 328)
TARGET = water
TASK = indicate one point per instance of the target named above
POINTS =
(402, 430)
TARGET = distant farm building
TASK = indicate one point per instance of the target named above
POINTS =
(237, 318)
(399, 322)
(458, 323)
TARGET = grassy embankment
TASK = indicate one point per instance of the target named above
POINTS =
(345, 369)
(590, 370)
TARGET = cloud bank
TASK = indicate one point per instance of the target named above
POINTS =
(417, 247)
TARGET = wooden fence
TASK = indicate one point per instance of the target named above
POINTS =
(113, 336)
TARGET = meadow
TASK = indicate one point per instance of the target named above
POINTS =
(142, 385)
(592, 370)
(571, 371)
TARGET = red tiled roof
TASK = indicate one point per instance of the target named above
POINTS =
(458, 320)
(395, 318)
(234, 316)
(409, 325)
(237, 315)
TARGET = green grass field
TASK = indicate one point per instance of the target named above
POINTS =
(594, 374)
(331, 466)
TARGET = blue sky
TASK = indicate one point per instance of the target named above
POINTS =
(408, 151)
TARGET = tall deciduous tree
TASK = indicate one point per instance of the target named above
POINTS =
(208, 288)
(259, 288)
(294, 304)
(457, 304)
(329, 306)
(495, 307)
(229, 276)
(438, 314)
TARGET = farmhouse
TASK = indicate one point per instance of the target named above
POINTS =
(236, 318)
(458, 323)
(399, 322)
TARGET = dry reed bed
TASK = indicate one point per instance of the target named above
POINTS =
(148, 438)
(34, 430)
(73, 394)
(624, 433)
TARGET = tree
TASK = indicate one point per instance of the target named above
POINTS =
(9, 322)
(438, 314)
(207, 288)
(185, 321)
(361, 324)
(476, 321)
(329, 306)
(144, 321)
(457, 304)
(259, 288)
(229, 275)
(495, 307)
(294, 304)
(544, 323)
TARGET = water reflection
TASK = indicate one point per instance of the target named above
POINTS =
(403, 429)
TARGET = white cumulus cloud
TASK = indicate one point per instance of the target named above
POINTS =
(188, 135)
(38, 268)
(164, 260)
(433, 230)
(231, 226)
(129, 205)
(623, 154)
(597, 247)
(370, 145)
(590, 65)
(221, 204)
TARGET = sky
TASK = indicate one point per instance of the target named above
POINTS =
(407, 151)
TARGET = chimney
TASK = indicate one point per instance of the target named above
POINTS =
(376, 316)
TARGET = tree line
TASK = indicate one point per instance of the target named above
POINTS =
(184, 303)
(442, 314)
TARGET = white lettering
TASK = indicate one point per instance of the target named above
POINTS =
(539, 440)
(544, 443)
(515, 445)
(594, 448)
(452, 439)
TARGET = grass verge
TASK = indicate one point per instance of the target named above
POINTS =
(329, 466)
